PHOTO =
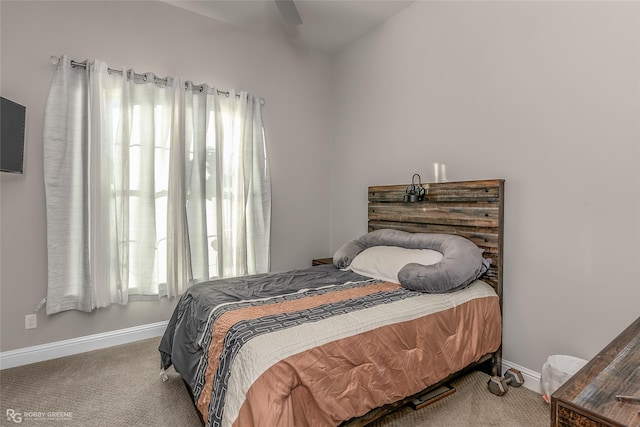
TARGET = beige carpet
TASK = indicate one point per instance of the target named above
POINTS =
(120, 386)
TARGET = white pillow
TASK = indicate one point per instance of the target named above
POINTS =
(384, 262)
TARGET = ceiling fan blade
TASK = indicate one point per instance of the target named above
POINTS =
(289, 12)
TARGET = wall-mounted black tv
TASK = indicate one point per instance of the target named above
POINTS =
(12, 122)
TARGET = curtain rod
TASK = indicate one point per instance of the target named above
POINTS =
(55, 60)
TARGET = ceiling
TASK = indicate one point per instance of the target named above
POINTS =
(327, 25)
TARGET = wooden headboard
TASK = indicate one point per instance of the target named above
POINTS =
(472, 209)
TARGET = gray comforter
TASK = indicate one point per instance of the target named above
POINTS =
(180, 344)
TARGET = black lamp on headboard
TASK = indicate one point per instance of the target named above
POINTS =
(414, 192)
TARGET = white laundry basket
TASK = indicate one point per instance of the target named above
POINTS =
(556, 371)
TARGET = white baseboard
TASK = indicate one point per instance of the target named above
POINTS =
(40, 353)
(531, 378)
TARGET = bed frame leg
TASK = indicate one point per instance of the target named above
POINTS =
(493, 365)
(496, 363)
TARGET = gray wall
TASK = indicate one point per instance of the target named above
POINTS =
(543, 94)
(153, 36)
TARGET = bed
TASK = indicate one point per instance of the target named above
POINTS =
(331, 346)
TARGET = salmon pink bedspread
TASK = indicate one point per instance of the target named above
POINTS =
(286, 354)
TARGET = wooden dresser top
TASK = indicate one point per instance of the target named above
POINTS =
(614, 371)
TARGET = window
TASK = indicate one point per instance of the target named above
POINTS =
(151, 184)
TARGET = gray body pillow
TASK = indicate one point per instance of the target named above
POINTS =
(462, 261)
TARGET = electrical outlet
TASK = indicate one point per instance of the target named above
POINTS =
(30, 321)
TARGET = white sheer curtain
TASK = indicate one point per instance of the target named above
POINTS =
(229, 185)
(149, 186)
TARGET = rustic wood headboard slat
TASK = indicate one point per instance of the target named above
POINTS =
(473, 191)
(479, 215)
